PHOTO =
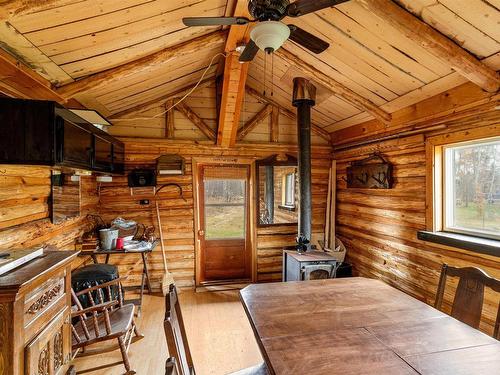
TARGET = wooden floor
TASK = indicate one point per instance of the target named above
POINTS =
(219, 334)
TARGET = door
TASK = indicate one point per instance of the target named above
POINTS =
(225, 252)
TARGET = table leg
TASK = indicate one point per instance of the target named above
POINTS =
(107, 258)
(142, 293)
(94, 258)
(146, 271)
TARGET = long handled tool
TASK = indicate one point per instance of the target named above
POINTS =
(168, 278)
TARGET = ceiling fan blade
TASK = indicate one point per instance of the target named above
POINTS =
(301, 7)
(249, 52)
(214, 21)
(307, 40)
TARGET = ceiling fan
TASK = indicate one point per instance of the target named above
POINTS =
(270, 33)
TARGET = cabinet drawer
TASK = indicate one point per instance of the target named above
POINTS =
(49, 352)
(44, 302)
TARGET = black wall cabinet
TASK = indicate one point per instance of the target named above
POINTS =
(36, 132)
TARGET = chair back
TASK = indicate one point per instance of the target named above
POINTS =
(469, 297)
(175, 334)
(93, 323)
(171, 367)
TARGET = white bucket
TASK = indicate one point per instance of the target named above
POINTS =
(108, 238)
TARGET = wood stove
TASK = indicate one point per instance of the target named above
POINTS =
(312, 265)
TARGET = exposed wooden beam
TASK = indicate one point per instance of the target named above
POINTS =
(169, 119)
(156, 101)
(196, 120)
(451, 104)
(254, 121)
(314, 127)
(274, 133)
(163, 57)
(19, 80)
(234, 81)
(338, 88)
(434, 42)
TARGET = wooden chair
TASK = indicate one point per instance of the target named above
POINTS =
(107, 318)
(468, 302)
(181, 362)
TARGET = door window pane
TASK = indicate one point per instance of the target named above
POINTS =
(472, 188)
(225, 208)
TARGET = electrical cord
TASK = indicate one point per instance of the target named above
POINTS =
(182, 98)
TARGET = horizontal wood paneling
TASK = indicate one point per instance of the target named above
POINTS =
(24, 209)
(177, 215)
(379, 227)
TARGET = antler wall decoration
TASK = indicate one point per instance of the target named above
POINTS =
(369, 175)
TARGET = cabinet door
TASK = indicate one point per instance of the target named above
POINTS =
(118, 158)
(103, 154)
(39, 132)
(75, 145)
(50, 352)
(11, 131)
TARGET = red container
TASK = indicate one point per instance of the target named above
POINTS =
(119, 243)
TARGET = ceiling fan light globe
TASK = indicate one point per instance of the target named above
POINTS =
(270, 35)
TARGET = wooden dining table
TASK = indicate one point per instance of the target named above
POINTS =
(356, 326)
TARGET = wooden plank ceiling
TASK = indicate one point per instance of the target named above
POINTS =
(115, 56)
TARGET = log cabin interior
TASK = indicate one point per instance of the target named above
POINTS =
(249, 187)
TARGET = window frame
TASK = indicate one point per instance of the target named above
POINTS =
(446, 210)
(284, 197)
(436, 177)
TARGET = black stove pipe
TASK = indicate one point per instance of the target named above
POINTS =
(304, 98)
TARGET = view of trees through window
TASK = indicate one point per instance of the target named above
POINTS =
(472, 175)
(225, 208)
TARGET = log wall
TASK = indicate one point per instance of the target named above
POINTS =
(379, 227)
(177, 215)
(24, 209)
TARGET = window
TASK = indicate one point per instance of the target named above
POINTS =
(471, 188)
(289, 190)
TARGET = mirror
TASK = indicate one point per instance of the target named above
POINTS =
(277, 193)
(65, 196)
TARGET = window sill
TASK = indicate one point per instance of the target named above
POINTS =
(462, 241)
(287, 208)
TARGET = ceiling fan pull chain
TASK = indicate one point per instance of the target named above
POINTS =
(272, 74)
(265, 75)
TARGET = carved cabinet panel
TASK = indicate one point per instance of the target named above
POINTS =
(47, 353)
(35, 305)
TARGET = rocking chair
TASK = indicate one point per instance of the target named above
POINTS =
(107, 318)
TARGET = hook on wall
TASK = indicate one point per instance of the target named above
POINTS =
(181, 192)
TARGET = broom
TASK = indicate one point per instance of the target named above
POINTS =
(168, 278)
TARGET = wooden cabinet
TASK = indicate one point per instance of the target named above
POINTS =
(103, 155)
(35, 132)
(35, 319)
(118, 158)
(74, 145)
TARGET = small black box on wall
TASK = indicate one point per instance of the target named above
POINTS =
(141, 178)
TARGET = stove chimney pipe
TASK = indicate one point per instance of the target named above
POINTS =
(304, 97)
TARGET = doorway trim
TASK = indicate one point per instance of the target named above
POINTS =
(197, 162)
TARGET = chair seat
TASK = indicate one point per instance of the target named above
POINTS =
(120, 320)
(260, 369)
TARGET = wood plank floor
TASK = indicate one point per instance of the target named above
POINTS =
(219, 335)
